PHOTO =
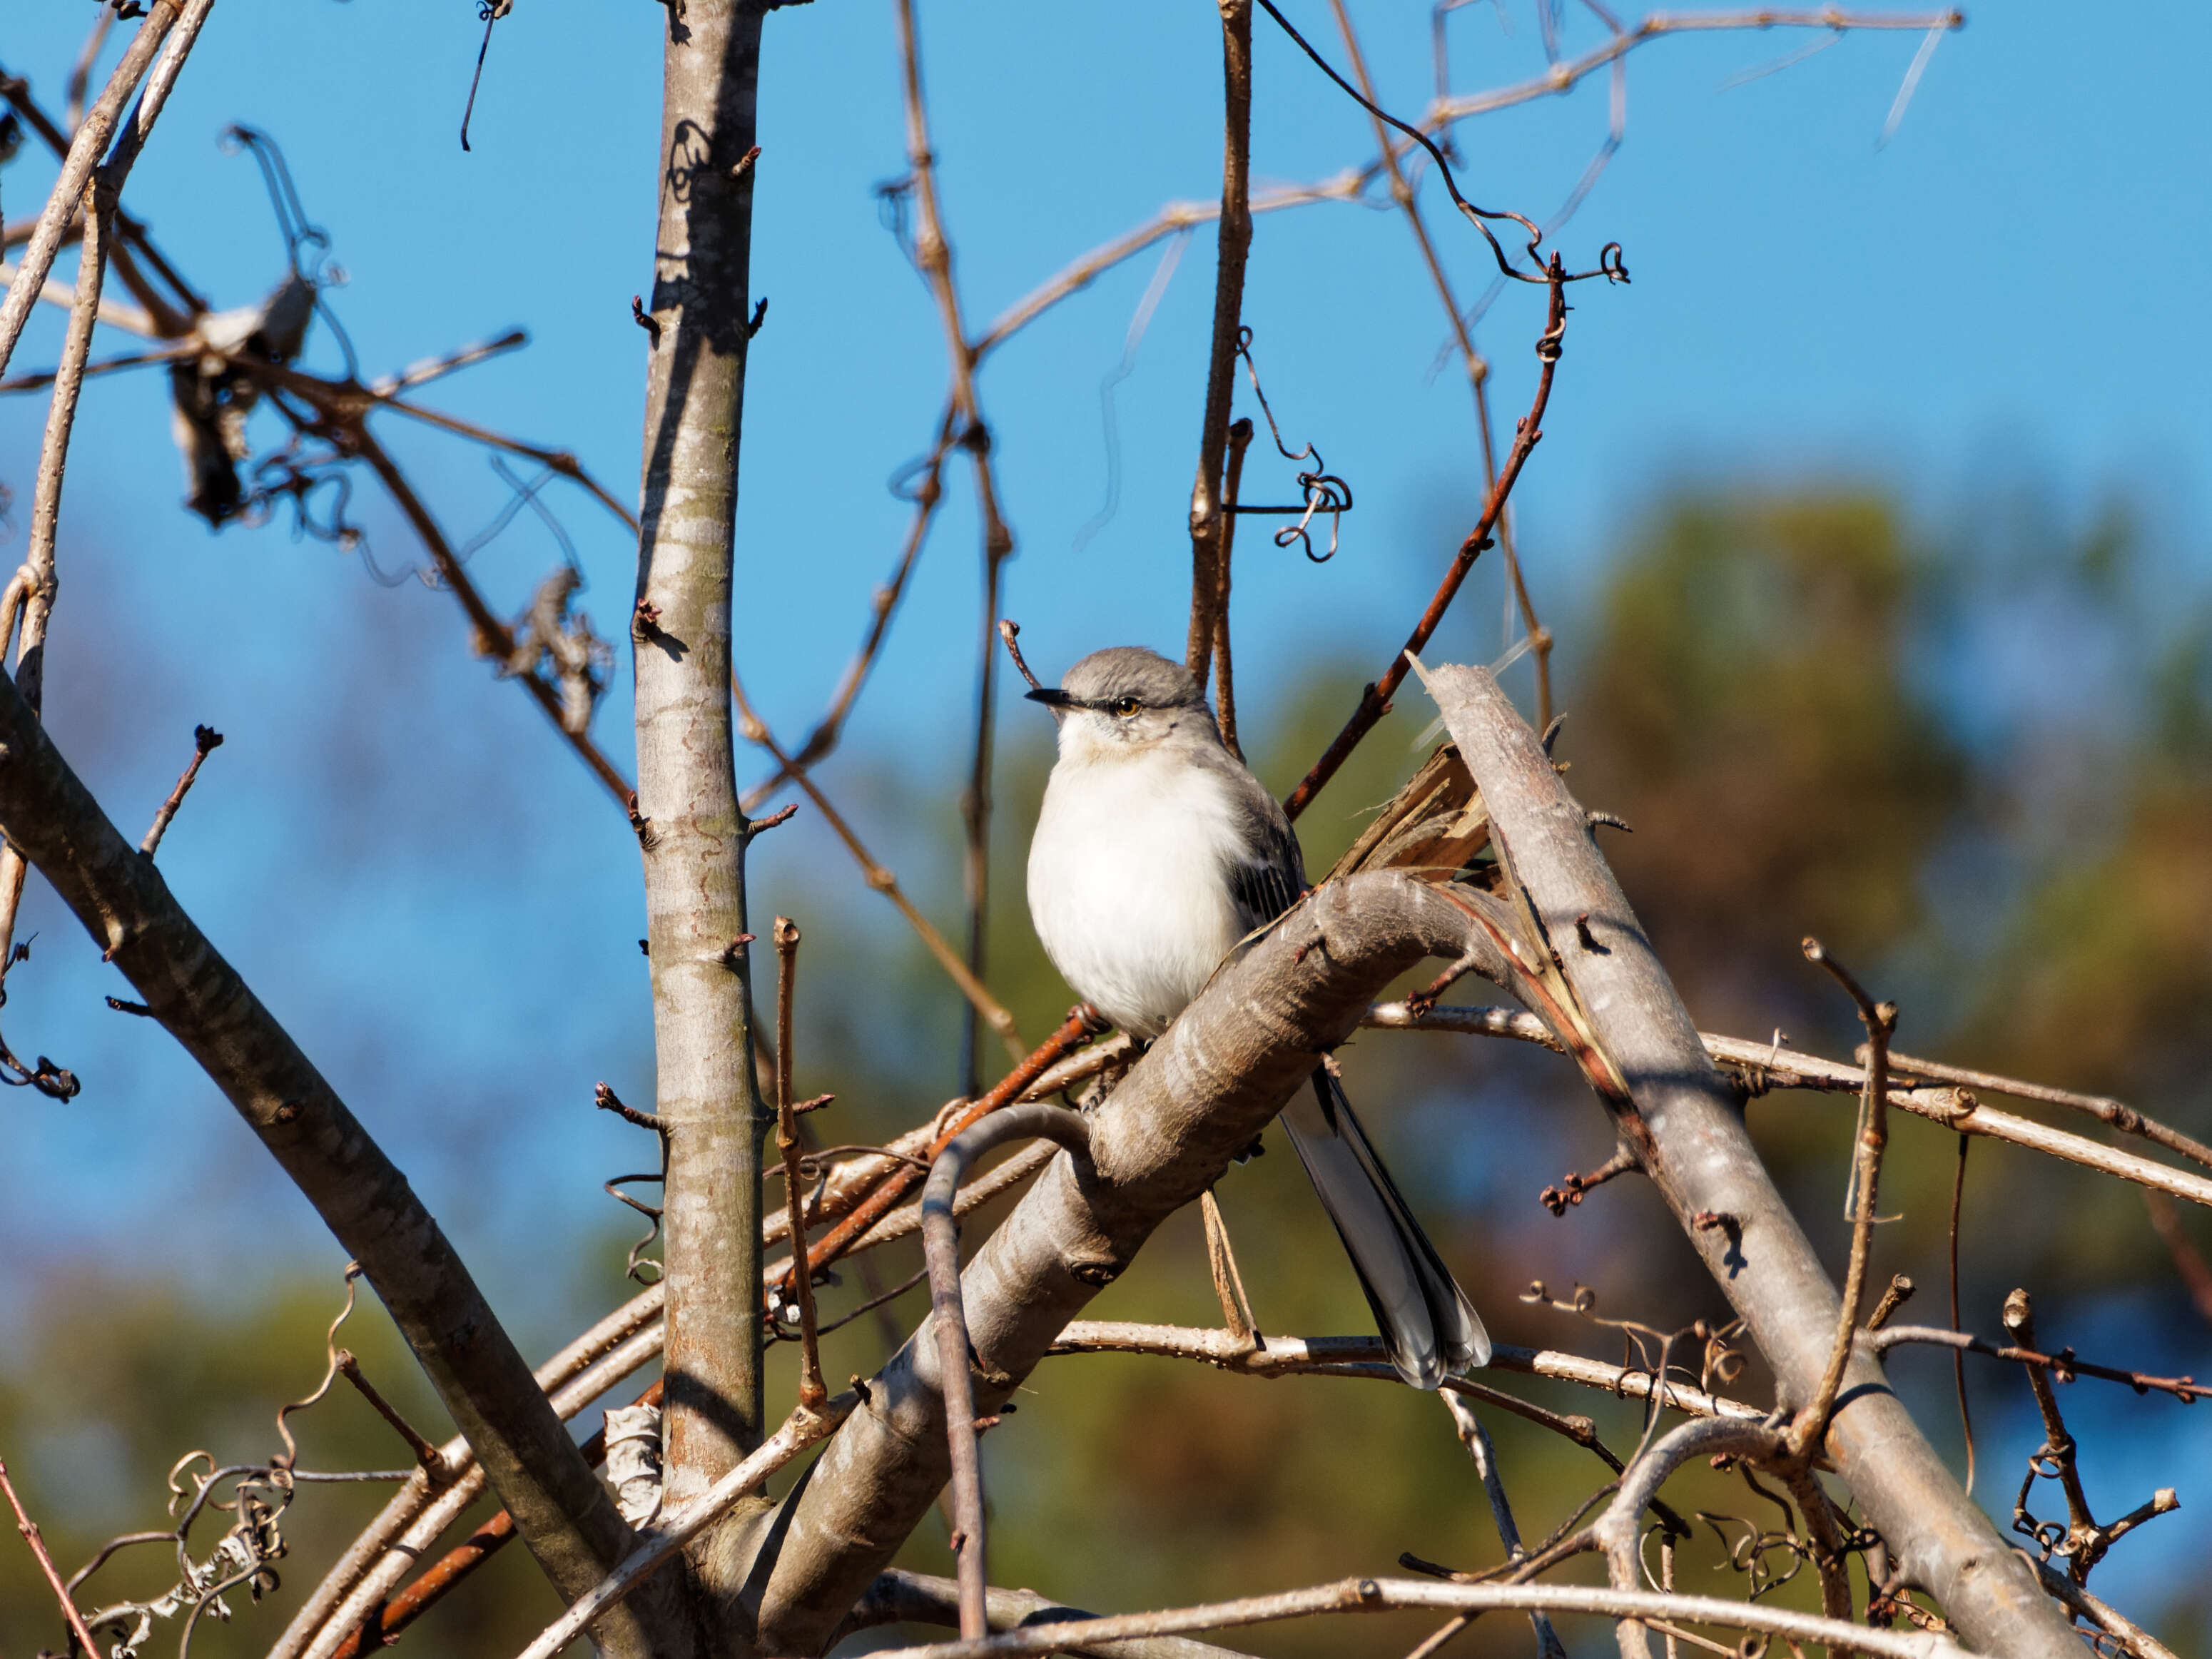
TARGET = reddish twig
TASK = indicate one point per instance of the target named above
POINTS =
(1375, 700)
(30, 1528)
(205, 741)
(811, 1393)
(1078, 1027)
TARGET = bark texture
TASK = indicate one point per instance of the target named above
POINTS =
(1700, 1157)
(691, 832)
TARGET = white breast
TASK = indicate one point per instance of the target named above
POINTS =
(1126, 884)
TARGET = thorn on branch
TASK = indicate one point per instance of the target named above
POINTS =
(733, 953)
(645, 320)
(1552, 732)
(608, 1101)
(205, 741)
(743, 164)
(641, 827)
(1610, 820)
(123, 1007)
(1589, 943)
(760, 313)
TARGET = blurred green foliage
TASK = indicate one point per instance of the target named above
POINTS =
(1782, 694)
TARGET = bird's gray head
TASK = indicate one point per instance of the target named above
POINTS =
(1125, 700)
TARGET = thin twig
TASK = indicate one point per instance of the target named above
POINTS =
(1811, 1423)
(30, 1528)
(993, 1011)
(1221, 1259)
(1381, 1594)
(2104, 1109)
(2187, 1262)
(425, 1454)
(941, 1241)
(811, 1393)
(933, 253)
(1957, 1355)
(902, 1177)
(1233, 242)
(85, 147)
(1478, 368)
(1476, 1440)
(1225, 682)
(205, 741)
(2187, 1389)
(1561, 76)
(1766, 1065)
(1375, 700)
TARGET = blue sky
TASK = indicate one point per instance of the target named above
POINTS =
(2012, 285)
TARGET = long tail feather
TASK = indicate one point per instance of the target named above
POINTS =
(1429, 1325)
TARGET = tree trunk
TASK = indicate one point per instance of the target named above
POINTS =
(691, 830)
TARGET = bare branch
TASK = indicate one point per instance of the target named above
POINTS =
(1702, 1161)
(1375, 700)
(30, 1528)
(205, 741)
(91, 137)
(811, 1393)
(993, 1011)
(2103, 1108)
(1772, 1065)
(44, 811)
(916, 1598)
(940, 1239)
(1208, 522)
(1381, 1594)
(693, 858)
(1563, 76)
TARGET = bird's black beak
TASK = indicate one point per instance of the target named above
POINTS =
(1052, 697)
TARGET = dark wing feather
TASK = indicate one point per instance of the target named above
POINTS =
(1429, 1326)
(1269, 880)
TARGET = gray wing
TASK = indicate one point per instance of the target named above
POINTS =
(1269, 880)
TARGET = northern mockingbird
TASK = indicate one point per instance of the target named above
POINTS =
(1156, 854)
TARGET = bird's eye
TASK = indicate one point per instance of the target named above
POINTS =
(1126, 707)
